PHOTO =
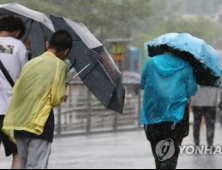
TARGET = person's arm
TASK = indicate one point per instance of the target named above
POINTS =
(27, 44)
(144, 75)
(58, 90)
(219, 99)
(191, 84)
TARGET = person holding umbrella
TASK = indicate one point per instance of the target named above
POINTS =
(94, 64)
(39, 26)
(178, 63)
(168, 82)
(13, 56)
(40, 87)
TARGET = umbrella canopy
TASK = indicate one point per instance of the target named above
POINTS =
(39, 27)
(101, 75)
(203, 58)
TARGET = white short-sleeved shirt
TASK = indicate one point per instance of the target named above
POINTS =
(13, 55)
(206, 97)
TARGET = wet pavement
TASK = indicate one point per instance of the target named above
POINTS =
(126, 150)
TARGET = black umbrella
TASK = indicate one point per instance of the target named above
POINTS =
(101, 75)
(39, 27)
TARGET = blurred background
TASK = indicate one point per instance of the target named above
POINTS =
(138, 20)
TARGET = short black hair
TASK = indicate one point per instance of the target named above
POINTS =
(11, 24)
(60, 40)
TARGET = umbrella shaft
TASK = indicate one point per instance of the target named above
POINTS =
(79, 73)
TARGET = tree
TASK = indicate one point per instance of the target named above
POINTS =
(201, 27)
(105, 18)
(166, 19)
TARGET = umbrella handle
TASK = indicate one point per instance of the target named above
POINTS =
(72, 65)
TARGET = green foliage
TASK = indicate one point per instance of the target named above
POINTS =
(105, 18)
(201, 28)
(140, 20)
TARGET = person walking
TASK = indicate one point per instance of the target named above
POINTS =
(41, 86)
(13, 56)
(205, 105)
(168, 83)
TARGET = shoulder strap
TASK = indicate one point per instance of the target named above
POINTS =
(7, 76)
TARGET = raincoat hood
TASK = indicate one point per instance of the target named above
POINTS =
(202, 57)
(168, 64)
(168, 82)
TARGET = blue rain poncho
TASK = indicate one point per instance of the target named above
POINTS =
(168, 82)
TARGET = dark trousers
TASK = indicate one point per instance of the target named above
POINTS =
(209, 114)
(165, 139)
(163, 132)
(10, 147)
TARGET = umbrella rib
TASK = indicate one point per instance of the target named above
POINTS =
(72, 65)
(90, 70)
(43, 34)
(29, 28)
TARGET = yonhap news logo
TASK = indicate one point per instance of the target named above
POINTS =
(165, 150)
(201, 150)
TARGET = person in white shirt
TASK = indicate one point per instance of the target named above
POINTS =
(13, 56)
(205, 105)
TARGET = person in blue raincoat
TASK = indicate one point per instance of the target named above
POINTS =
(168, 83)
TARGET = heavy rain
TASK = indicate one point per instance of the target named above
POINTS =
(110, 84)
